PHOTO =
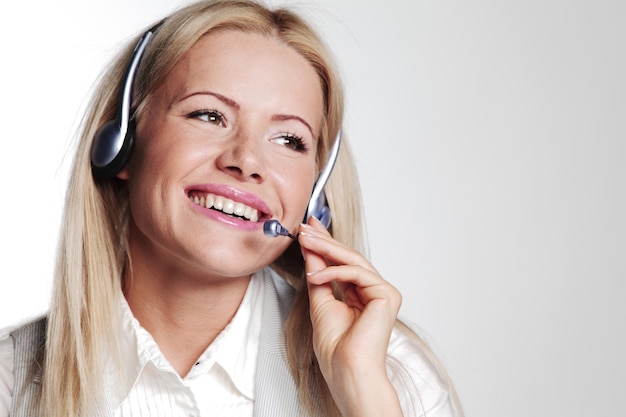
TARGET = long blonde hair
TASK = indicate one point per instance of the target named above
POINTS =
(93, 244)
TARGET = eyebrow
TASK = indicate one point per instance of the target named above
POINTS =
(229, 102)
(232, 103)
(284, 117)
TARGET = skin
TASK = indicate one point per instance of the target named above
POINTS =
(350, 337)
(191, 267)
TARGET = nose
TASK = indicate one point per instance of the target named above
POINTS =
(242, 159)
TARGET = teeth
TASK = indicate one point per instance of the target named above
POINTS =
(239, 209)
(229, 207)
(218, 204)
(226, 205)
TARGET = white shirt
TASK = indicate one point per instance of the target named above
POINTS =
(222, 382)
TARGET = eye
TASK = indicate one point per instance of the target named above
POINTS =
(208, 116)
(291, 141)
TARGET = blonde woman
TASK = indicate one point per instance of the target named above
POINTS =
(169, 298)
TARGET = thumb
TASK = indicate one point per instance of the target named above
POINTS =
(314, 262)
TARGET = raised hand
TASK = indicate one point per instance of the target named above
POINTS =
(351, 335)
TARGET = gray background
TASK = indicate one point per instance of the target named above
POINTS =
(490, 136)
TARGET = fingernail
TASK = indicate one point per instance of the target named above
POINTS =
(307, 230)
(316, 220)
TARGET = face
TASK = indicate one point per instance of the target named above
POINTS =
(225, 143)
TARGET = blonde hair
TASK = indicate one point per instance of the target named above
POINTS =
(93, 243)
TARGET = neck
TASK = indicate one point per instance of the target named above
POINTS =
(184, 315)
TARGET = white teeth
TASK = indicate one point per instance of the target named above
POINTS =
(227, 205)
(219, 203)
(239, 209)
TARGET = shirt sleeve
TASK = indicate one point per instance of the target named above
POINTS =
(421, 389)
(6, 375)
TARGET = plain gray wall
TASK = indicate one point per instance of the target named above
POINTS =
(490, 136)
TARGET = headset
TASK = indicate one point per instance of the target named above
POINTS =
(318, 206)
(113, 144)
(114, 140)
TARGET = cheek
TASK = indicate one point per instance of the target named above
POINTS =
(297, 187)
(150, 170)
(158, 154)
(155, 142)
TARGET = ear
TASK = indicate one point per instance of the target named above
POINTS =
(123, 174)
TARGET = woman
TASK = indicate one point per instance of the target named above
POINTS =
(169, 299)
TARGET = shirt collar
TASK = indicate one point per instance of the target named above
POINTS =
(235, 349)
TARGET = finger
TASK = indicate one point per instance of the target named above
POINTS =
(368, 285)
(316, 224)
(334, 252)
(320, 293)
(313, 261)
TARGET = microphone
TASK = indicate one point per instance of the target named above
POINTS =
(273, 228)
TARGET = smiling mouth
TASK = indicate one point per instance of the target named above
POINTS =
(226, 206)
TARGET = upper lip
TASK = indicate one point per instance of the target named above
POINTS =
(235, 194)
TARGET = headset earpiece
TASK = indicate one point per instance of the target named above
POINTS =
(113, 142)
(111, 149)
(318, 206)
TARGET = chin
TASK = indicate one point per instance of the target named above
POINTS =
(237, 259)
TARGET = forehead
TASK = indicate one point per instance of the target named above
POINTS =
(252, 69)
